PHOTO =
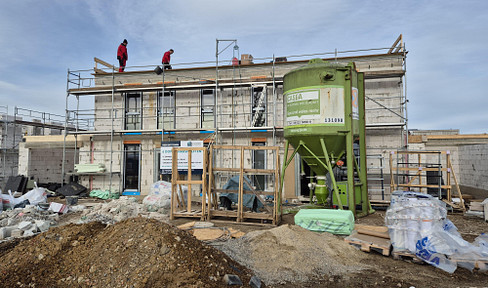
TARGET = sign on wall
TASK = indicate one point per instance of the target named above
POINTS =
(167, 156)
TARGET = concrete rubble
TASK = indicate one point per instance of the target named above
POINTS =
(25, 222)
(118, 210)
(32, 220)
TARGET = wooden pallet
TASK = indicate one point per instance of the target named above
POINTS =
(368, 243)
(406, 256)
(480, 264)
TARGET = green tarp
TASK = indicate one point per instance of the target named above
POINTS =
(326, 220)
(103, 194)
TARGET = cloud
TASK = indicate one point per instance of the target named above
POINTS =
(41, 39)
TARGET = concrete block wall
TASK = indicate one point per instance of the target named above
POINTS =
(100, 154)
(473, 166)
(150, 110)
(379, 144)
(188, 109)
(9, 162)
(103, 106)
(10, 134)
(381, 93)
(45, 165)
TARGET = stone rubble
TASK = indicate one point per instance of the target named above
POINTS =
(32, 220)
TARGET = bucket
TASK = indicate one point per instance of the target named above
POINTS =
(71, 200)
(158, 70)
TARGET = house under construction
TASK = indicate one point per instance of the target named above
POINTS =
(139, 112)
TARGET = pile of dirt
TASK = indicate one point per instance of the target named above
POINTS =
(137, 252)
(293, 254)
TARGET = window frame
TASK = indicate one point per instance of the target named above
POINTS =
(255, 90)
(127, 113)
(203, 106)
(161, 115)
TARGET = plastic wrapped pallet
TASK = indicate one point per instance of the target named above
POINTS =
(418, 224)
(410, 214)
(326, 220)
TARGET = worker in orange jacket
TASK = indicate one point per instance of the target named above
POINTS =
(122, 55)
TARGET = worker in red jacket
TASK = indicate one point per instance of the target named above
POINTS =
(167, 58)
(122, 55)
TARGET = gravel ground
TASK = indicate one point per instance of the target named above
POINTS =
(293, 254)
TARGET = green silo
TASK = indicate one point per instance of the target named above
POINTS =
(324, 117)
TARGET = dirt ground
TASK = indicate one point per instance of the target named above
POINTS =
(137, 252)
(387, 272)
(141, 252)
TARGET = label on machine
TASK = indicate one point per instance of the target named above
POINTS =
(324, 105)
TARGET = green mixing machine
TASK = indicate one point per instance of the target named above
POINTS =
(325, 124)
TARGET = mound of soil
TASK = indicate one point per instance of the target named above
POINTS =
(293, 254)
(136, 252)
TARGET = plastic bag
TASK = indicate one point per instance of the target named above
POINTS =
(155, 202)
(8, 201)
(35, 196)
(160, 196)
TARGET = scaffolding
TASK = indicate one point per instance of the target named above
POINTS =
(23, 122)
(232, 117)
(4, 124)
(428, 172)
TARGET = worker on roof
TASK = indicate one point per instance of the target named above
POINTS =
(167, 59)
(122, 55)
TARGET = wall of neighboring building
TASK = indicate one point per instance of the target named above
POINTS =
(473, 168)
(9, 161)
(469, 155)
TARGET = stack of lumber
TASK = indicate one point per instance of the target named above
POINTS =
(368, 237)
(476, 208)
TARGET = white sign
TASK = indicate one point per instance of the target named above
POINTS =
(324, 105)
(166, 163)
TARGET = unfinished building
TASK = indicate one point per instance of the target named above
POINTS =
(136, 113)
(22, 124)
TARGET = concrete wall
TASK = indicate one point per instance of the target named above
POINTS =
(44, 165)
(9, 161)
(473, 167)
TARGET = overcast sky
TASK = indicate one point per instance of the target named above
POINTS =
(446, 42)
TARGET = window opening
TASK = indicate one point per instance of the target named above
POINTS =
(259, 162)
(166, 110)
(133, 111)
(259, 102)
(207, 112)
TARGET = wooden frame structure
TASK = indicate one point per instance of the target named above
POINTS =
(177, 197)
(418, 166)
(271, 214)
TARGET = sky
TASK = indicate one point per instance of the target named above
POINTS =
(446, 42)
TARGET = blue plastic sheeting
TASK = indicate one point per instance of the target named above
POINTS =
(326, 220)
(248, 200)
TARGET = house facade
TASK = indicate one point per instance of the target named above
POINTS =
(136, 113)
